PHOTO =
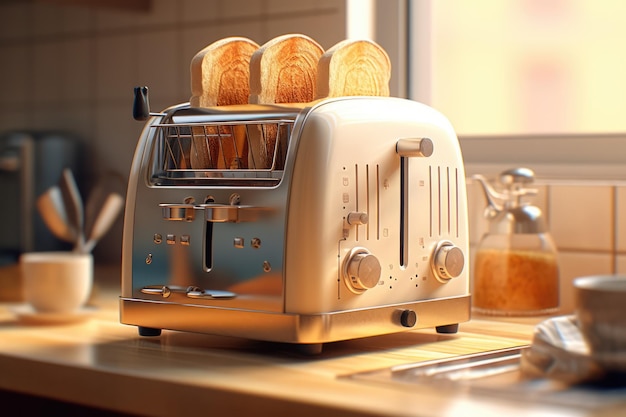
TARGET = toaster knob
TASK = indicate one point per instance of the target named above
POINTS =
(448, 261)
(361, 270)
(357, 218)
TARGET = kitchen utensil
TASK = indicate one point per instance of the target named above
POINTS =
(73, 206)
(93, 205)
(52, 209)
(102, 223)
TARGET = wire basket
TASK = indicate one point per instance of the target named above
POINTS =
(229, 153)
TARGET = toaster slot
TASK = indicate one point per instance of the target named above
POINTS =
(207, 257)
(220, 149)
(409, 148)
(404, 212)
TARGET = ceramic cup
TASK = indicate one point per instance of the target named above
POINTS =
(56, 282)
(601, 303)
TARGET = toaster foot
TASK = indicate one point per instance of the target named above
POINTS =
(309, 348)
(148, 331)
(448, 328)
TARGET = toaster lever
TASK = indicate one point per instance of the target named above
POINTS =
(226, 213)
(191, 291)
(167, 290)
(141, 105)
(179, 212)
(211, 294)
(420, 147)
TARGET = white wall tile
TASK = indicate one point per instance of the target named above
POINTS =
(116, 67)
(578, 264)
(14, 18)
(15, 75)
(581, 217)
(47, 73)
(282, 6)
(241, 8)
(620, 264)
(46, 20)
(157, 63)
(79, 119)
(476, 204)
(14, 119)
(77, 19)
(115, 139)
(620, 218)
(53, 118)
(108, 19)
(77, 69)
(200, 10)
(163, 12)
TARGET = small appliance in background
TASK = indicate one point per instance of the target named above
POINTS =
(357, 226)
(30, 162)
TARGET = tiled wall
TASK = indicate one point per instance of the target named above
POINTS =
(587, 220)
(74, 68)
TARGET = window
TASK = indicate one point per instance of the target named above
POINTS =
(536, 82)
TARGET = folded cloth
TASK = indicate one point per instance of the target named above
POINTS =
(559, 351)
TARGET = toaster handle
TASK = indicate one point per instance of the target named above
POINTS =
(420, 147)
(141, 105)
(227, 213)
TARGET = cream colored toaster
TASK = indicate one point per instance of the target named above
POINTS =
(355, 226)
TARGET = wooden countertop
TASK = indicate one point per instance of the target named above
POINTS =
(102, 363)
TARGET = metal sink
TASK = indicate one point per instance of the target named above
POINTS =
(498, 375)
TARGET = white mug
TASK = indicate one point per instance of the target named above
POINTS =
(56, 282)
(600, 303)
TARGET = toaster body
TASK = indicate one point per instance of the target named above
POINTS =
(356, 227)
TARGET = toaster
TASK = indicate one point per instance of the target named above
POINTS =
(355, 226)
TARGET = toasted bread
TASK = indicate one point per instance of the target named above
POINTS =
(353, 68)
(284, 70)
(220, 76)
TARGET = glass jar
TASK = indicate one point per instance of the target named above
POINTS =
(516, 275)
(516, 271)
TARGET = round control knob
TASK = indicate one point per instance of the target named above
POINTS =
(448, 261)
(361, 270)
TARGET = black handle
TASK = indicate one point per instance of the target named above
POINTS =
(141, 106)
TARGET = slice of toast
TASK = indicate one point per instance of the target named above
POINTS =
(220, 76)
(283, 70)
(353, 68)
